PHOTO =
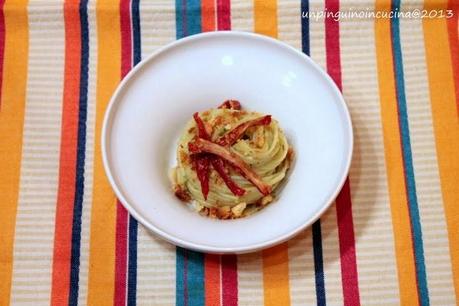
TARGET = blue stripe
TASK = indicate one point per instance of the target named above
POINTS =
(189, 278)
(187, 17)
(316, 227)
(180, 18)
(305, 26)
(408, 160)
(81, 154)
(132, 251)
(318, 263)
(137, 49)
(180, 259)
(195, 278)
(193, 17)
(189, 264)
(132, 264)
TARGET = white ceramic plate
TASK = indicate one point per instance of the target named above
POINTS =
(153, 103)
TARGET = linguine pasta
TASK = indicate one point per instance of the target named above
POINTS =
(262, 149)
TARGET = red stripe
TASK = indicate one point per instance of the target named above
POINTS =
(223, 15)
(228, 262)
(122, 217)
(121, 255)
(332, 42)
(2, 46)
(454, 45)
(229, 280)
(126, 37)
(343, 201)
(347, 247)
(68, 156)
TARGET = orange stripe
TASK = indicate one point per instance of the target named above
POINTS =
(275, 260)
(67, 170)
(265, 14)
(103, 214)
(212, 265)
(11, 127)
(394, 162)
(275, 276)
(212, 280)
(208, 15)
(446, 127)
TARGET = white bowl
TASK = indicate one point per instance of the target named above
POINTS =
(152, 104)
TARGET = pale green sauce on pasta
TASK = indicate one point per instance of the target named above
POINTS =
(264, 148)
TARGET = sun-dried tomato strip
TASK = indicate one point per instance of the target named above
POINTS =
(202, 161)
(201, 145)
(231, 104)
(232, 136)
(202, 165)
(219, 166)
(202, 132)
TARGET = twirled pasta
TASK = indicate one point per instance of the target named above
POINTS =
(264, 148)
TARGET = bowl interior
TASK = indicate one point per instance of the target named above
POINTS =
(152, 105)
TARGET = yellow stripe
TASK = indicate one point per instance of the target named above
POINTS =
(276, 276)
(275, 260)
(446, 127)
(11, 125)
(394, 162)
(265, 15)
(103, 212)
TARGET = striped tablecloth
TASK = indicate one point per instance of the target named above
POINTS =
(392, 237)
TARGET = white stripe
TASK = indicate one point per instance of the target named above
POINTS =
(242, 15)
(434, 231)
(34, 239)
(157, 19)
(155, 257)
(301, 256)
(317, 35)
(155, 270)
(89, 158)
(301, 270)
(289, 22)
(250, 279)
(331, 257)
(375, 248)
(330, 244)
